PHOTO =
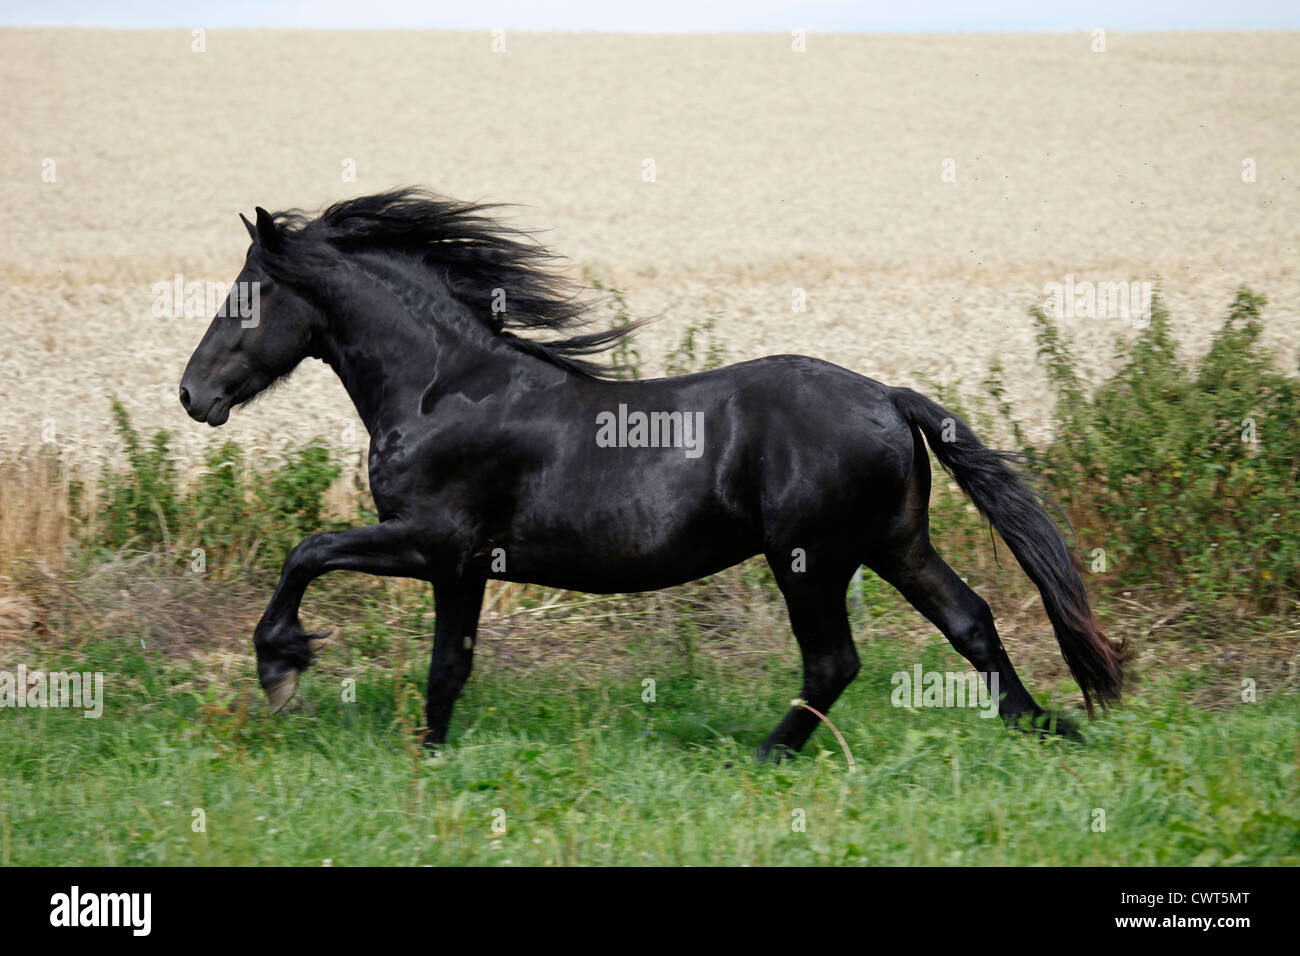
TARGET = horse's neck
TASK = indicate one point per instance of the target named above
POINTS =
(389, 345)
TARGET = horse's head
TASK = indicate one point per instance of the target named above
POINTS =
(260, 334)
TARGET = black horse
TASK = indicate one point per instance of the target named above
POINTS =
(499, 456)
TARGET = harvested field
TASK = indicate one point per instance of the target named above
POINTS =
(774, 171)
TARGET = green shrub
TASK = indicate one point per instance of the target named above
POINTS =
(1186, 477)
(244, 517)
(139, 506)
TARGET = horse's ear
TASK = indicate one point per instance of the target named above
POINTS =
(252, 230)
(267, 233)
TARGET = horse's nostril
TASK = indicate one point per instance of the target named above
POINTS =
(185, 398)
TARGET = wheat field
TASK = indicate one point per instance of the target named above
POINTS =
(920, 191)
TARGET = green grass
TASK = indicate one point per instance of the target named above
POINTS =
(588, 773)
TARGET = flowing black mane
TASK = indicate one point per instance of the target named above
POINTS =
(474, 252)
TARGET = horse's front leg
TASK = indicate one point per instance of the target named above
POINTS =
(283, 647)
(456, 604)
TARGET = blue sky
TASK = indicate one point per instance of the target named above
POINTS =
(665, 16)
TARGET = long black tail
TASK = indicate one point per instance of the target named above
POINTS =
(1015, 511)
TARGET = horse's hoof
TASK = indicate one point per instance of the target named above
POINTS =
(1048, 723)
(773, 753)
(282, 691)
(1063, 726)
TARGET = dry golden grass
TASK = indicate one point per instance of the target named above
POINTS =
(35, 518)
(34, 529)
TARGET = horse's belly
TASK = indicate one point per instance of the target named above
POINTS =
(632, 551)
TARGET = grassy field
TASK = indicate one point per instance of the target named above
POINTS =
(555, 767)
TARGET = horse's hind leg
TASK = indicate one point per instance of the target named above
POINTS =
(830, 662)
(934, 589)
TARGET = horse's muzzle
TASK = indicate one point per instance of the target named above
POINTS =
(212, 410)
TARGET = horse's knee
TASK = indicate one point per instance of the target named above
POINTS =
(305, 556)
